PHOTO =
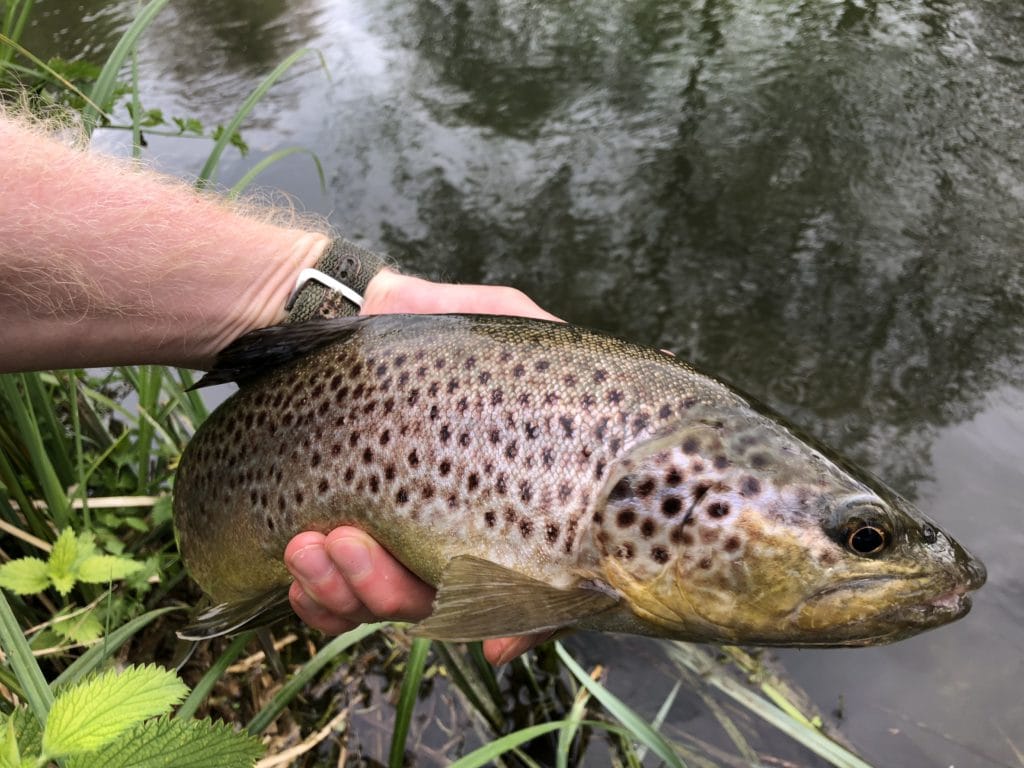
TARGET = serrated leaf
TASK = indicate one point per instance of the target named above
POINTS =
(25, 576)
(62, 560)
(82, 628)
(101, 569)
(97, 710)
(167, 742)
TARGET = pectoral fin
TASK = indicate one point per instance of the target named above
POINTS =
(478, 599)
(232, 618)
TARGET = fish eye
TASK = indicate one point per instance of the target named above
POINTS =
(867, 539)
(929, 534)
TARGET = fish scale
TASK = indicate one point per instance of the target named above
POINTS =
(591, 472)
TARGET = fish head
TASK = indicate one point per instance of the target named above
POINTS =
(738, 530)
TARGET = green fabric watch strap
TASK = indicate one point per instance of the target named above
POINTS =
(347, 263)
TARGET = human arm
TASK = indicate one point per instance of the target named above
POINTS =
(104, 263)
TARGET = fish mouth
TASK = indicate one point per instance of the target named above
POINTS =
(911, 604)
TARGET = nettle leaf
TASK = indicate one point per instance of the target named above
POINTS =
(100, 708)
(167, 742)
(81, 628)
(102, 569)
(62, 561)
(25, 576)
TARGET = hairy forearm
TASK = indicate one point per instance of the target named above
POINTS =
(104, 263)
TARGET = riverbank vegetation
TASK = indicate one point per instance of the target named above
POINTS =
(93, 588)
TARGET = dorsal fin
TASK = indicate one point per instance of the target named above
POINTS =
(258, 352)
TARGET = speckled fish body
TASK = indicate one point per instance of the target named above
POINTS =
(544, 475)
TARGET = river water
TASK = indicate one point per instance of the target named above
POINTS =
(820, 201)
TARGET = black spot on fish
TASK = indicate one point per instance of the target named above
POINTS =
(439, 363)
(511, 449)
(349, 475)
(569, 379)
(647, 528)
(551, 532)
(421, 371)
(525, 492)
(708, 535)
(625, 518)
(705, 563)
(389, 472)
(389, 405)
(402, 496)
(510, 514)
(599, 470)
(600, 375)
(588, 401)
(550, 398)
(718, 509)
(501, 484)
(473, 481)
(665, 411)
(673, 477)
(374, 484)
(453, 501)
(464, 439)
(314, 460)
(564, 492)
(433, 389)
(414, 396)
(452, 386)
(640, 423)
(400, 360)
(299, 498)
(759, 461)
(690, 445)
(434, 413)
(532, 430)
(495, 436)
(601, 429)
(324, 485)
(699, 491)
(403, 378)
(484, 377)
(490, 518)
(427, 491)
(367, 456)
(731, 544)
(566, 423)
(463, 404)
(750, 486)
(445, 433)
(444, 467)
(469, 363)
(547, 457)
(671, 506)
(385, 437)
(721, 462)
(625, 551)
(519, 370)
(287, 418)
(278, 399)
(497, 397)
(253, 498)
(621, 490)
(270, 523)
(526, 527)
(413, 458)
(646, 488)
(358, 391)
(659, 555)
(541, 365)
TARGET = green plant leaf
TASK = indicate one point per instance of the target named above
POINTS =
(99, 709)
(101, 569)
(177, 743)
(82, 628)
(10, 757)
(25, 576)
(62, 561)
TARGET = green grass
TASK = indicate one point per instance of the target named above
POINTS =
(67, 441)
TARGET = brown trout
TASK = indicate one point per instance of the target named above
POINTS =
(545, 476)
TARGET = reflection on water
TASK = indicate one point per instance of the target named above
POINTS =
(822, 201)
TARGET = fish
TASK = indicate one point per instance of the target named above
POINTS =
(548, 477)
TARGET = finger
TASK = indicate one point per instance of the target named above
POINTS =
(320, 581)
(391, 292)
(503, 649)
(316, 615)
(382, 584)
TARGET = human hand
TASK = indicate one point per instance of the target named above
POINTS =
(346, 578)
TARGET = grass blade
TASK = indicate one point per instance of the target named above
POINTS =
(290, 690)
(103, 91)
(107, 647)
(407, 700)
(639, 729)
(25, 667)
(213, 674)
(208, 173)
(269, 160)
